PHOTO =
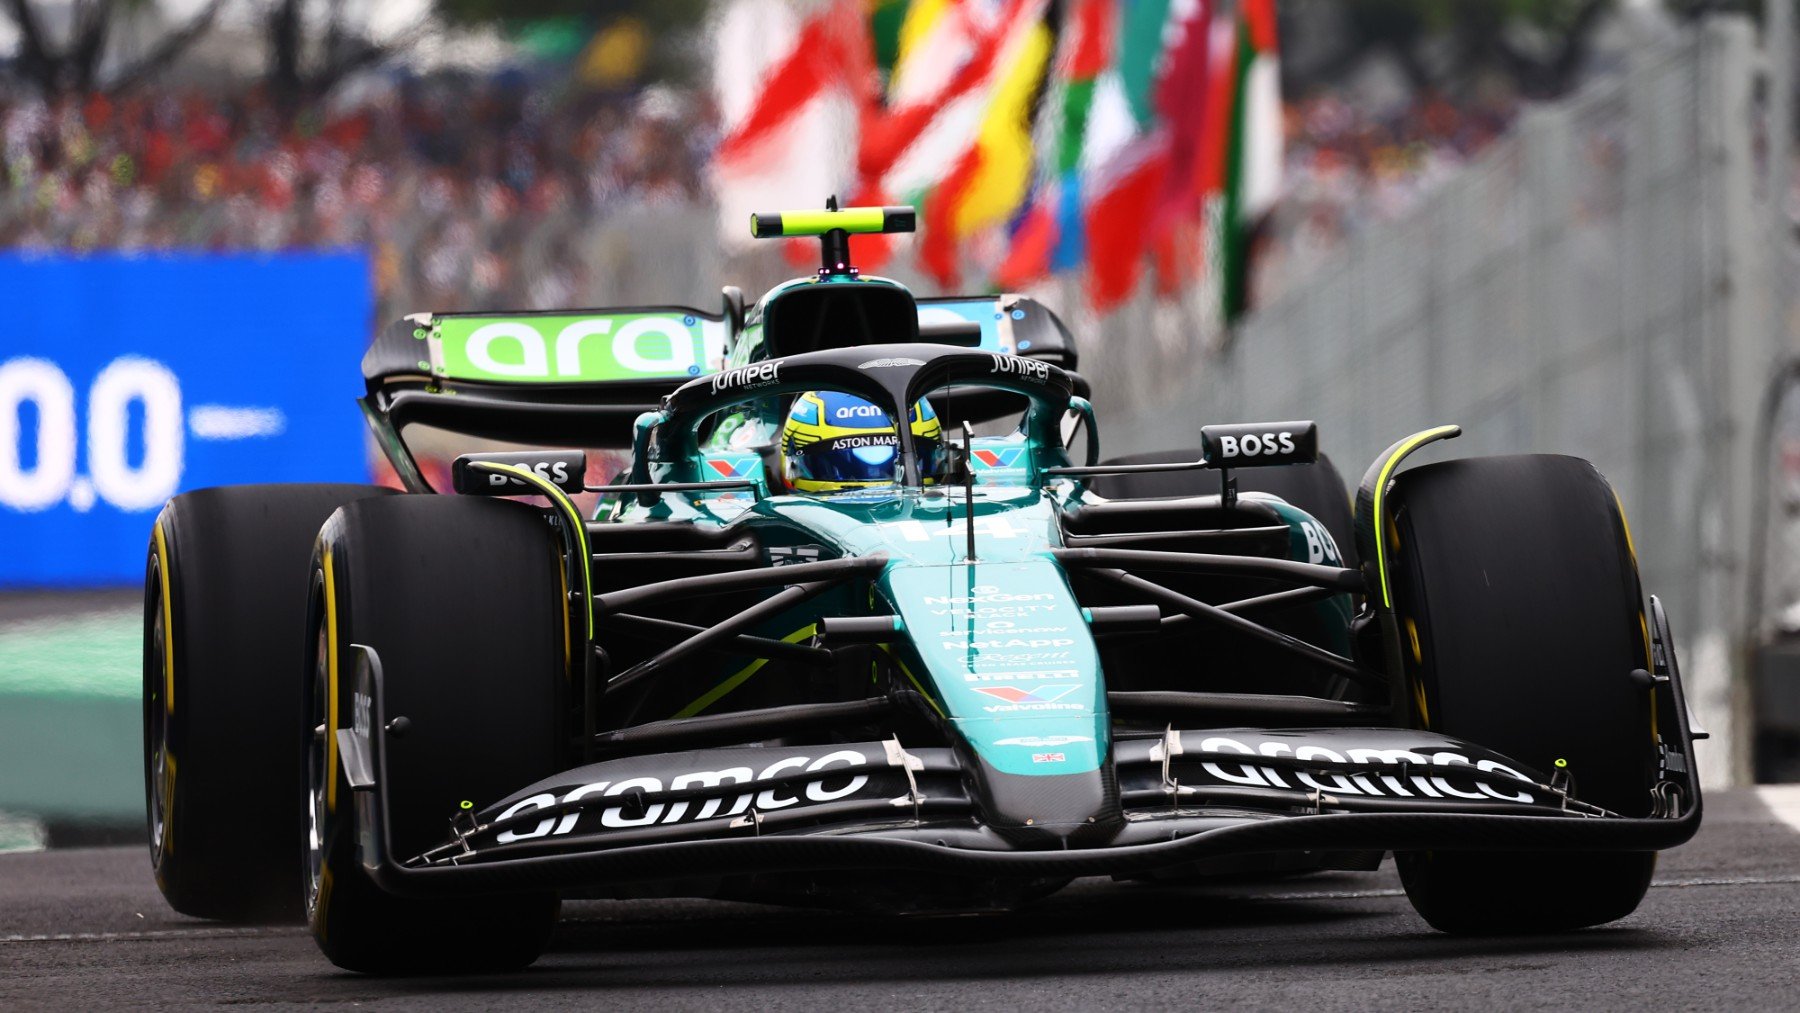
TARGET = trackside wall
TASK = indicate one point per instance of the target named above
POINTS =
(1597, 283)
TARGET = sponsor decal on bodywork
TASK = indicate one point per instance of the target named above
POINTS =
(1016, 699)
(841, 774)
(1011, 658)
(1360, 762)
(1027, 676)
(727, 467)
(1259, 443)
(1042, 741)
(1015, 365)
(997, 457)
(761, 374)
(1036, 694)
(562, 349)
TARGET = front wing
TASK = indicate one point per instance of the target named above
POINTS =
(1185, 797)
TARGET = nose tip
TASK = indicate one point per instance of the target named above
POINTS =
(1054, 811)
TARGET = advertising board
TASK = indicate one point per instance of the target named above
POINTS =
(127, 379)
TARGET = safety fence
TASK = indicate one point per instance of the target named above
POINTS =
(1600, 283)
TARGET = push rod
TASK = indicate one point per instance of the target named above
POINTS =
(721, 583)
(1217, 616)
(776, 603)
(1310, 574)
(743, 643)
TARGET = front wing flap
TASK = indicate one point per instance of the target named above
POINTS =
(1187, 796)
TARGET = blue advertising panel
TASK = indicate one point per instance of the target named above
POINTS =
(127, 379)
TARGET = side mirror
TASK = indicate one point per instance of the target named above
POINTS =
(565, 469)
(1259, 444)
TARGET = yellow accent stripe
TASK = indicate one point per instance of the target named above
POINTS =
(813, 223)
(168, 618)
(910, 677)
(331, 685)
(556, 495)
(1381, 483)
(1630, 546)
(168, 627)
(1419, 698)
(736, 679)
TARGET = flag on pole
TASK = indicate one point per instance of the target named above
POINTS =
(792, 93)
(1100, 136)
(1050, 235)
(1252, 155)
(954, 136)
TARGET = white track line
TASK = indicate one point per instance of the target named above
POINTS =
(151, 935)
(1783, 801)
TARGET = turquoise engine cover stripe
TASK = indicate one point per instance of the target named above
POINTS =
(1007, 655)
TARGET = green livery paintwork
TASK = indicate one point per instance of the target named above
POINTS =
(997, 640)
(999, 645)
(1011, 661)
(580, 348)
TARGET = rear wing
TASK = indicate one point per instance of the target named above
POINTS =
(554, 378)
(598, 350)
(1010, 325)
(579, 378)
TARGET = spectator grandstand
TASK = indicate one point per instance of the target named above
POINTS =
(468, 191)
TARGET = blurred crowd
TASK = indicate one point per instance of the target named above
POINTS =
(470, 192)
(1348, 166)
(478, 192)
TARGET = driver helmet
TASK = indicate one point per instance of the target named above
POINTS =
(833, 442)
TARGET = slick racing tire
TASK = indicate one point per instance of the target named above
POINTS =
(1521, 618)
(463, 602)
(224, 647)
(1316, 488)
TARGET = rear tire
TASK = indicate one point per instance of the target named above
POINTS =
(1516, 577)
(462, 600)
(225, 598)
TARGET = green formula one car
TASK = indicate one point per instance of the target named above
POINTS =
(844, 634)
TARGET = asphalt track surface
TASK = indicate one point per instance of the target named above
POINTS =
(1720, 929)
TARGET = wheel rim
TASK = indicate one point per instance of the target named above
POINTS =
(156, 716)
(315, 766)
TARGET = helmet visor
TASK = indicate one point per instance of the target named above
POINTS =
(850, 459)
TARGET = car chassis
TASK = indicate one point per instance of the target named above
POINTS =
(1254, 774)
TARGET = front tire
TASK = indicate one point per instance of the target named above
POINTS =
(462, 600)
(224, 606)
(1521, 618)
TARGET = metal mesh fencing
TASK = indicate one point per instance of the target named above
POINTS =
(1591, 285)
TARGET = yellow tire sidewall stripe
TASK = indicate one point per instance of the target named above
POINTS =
(168, 618)
(167, 844)
(331, 682)
(736, 679)
(569, 510)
